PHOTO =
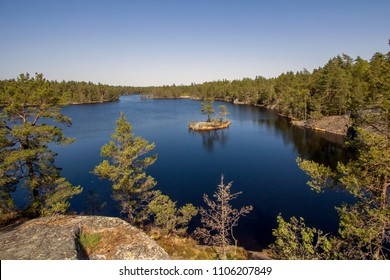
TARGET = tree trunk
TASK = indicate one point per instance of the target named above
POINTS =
(35, 206)
(223, 232)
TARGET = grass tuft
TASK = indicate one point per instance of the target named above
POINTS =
(89, 241)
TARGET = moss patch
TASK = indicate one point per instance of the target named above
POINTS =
(89, 241)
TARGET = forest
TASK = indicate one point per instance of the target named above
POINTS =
(70, 92)
(342, 86)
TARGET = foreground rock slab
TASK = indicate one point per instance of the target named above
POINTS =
(58, 238)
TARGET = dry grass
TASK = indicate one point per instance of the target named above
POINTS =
(180, 248)
(7, 218)
(109, 240)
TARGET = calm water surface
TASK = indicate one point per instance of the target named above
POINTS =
(257, 152)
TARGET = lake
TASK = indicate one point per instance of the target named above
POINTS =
(257, 152)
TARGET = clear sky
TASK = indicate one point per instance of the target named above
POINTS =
(145, 42)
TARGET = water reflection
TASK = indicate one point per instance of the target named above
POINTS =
(322, 147)
(212, 137)
(257, 152)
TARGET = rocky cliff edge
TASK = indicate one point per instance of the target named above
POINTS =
(58, 238)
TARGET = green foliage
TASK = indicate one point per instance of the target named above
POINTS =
(365, 226)
(223, 112)
(321, 176)
(364, 232)
(69, 92)
(125, 167)
(89, 241)
(334, 86)
(364, 229)
(56, 196)
(295, 241)
(342, 86)
(26, 159)
(207, 108)
(166, 215)
(7, 181)
(367, 178)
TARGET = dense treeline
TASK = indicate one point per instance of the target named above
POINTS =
(343, 85)
(71, 92)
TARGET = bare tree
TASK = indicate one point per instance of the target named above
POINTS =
(220, 219)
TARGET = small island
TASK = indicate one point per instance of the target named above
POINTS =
(211, 124)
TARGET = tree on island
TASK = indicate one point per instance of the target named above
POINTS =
(125, 167)
(207, 108)
(220, 219)
(223, 112)
(211, 124)
(26, 160)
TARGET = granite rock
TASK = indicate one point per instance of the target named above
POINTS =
(58, 238)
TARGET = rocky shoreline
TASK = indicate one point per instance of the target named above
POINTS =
(213, 125)
(332, 124)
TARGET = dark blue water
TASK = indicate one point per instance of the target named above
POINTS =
(257, 152)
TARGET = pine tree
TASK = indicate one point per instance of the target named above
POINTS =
(337, 85)
(296, 241)
(365, 225)
(223, 112)
(207, 108)
(364, 229)
(166, 215)
(125, 168)
(26, 159)
(220, 219)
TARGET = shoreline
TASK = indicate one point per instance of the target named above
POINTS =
(89, 102)
(206, 126)
(79, 103)
(337, 125)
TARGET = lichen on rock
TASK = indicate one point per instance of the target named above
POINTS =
(58, 238)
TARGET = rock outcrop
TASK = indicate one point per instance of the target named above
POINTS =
(213, 125)
(332, 124)
(58, 238)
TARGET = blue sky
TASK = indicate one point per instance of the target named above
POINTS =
(147, 42)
